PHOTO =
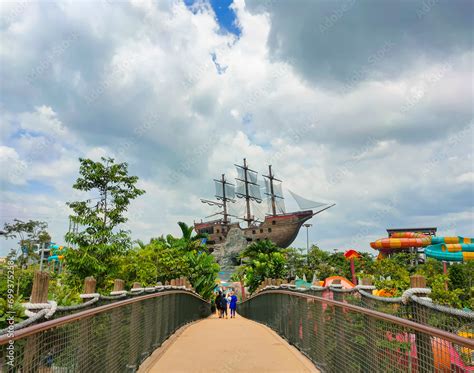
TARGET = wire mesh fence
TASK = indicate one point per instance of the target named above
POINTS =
(416, 308)
(112, 338)
(342, 337)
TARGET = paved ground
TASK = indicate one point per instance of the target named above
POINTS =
(227, 346)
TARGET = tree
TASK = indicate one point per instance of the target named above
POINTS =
(296, 262)
(29, 233)
(259, 247)
(271, 265)
(164, 259)
(390, 276)
(191, 242)
(264, 259)
(100, 241)
(461, 276)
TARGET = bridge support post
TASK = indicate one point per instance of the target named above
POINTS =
(39, 294)
(119, 285)
(90, 284)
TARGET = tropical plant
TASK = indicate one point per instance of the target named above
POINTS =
(202, 272)
(30, 233)
(17, 312)
(389, 275)
(271, 265)
(100, 240)
(259, 247)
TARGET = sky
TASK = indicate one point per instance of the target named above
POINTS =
(365, 104)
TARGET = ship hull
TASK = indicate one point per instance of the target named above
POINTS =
(280, 229)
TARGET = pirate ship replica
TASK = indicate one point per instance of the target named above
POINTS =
(275, 224)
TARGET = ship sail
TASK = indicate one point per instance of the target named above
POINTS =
(306, 204)
(225, 193)
(274, 191)
(247, 185)
(247, 188)
(224, 190)
(243, 200)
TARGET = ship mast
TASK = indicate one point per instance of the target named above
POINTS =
(225, 193)
(251, 190)
(272, 194)
(224, 199)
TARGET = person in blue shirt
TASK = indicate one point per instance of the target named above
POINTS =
(233, 305)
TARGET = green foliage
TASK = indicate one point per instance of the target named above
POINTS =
(461, 276)
(29, 233)
(17, 312)
(164, 259)
(272, 265)
(430, 269)
(389, 275)
(23, 278)
(444, 296)
(295, 261)
(62, 292)
(263, 259)
(259, 247)
(101, 242)
(202, 272)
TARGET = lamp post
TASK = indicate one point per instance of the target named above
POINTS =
(307, 225)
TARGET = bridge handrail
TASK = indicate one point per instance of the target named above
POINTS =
(347, 334)
(30, 330)
(108, 338)
(451, 337)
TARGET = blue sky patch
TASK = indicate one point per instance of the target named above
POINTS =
(225, 15)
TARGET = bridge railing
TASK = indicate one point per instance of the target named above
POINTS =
(342, 337)
(115, 337)
(410, 306)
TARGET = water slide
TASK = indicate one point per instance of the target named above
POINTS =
(453, 249)
(455, 252)
(57, 252)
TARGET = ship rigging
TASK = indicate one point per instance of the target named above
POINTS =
(276, 224)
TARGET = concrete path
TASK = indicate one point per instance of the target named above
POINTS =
(226, 346)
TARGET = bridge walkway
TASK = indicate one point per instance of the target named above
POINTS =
(226, 346)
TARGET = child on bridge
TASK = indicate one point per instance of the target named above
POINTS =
(233, 305)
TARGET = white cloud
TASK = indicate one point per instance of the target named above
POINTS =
(467, 177)
(138, 82)
(10, 162)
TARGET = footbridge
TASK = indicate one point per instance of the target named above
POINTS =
(278, 329)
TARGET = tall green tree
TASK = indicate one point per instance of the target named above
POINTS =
(271, 265)
(164, 259)
(29, 233)
(100, 239)
(262, 259)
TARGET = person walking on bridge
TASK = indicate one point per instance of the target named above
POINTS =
(224, 306)
(218, 302)
(233, 304)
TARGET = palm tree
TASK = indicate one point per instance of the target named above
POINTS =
(192, 242)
